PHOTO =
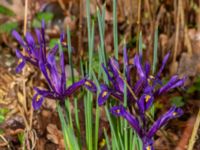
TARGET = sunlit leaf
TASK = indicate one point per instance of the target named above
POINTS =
(47, 16)
(8, 27)
(177, 101)
(2, 118)
(5, 11)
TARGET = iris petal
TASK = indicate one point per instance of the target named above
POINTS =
(121, 111)
(171, 83)
(90, 86)
(71, 89)
(172, 113)
(37, 101)
(20, 66)
(139, 67)
(44, 72)
(16, 35)
(38, 34)
(63, 75)
(103, 96)
(163, 64)
(145, 102)
(30, 40)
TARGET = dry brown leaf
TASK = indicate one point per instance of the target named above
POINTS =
(16, 4)
(189, 65)
(69, 22)
(55, 135)
(182, 145)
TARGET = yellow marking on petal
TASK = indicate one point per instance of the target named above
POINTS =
(148, 148)
(118, 111)
(147, 98)
(38, 98)
(88, 84)
(104, 93)
(19, 61)
(174, 113)
(102, 143)
(64, 43)
(149, 81)
(151, 77)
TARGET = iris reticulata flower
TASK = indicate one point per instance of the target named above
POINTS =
(142, 93)
(144, 134)
(37, 55)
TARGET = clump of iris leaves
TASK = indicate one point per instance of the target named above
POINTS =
(128, 109)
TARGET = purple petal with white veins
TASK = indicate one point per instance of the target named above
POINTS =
(37, 101)
(16, 35)
(20, 66)
(114, 66)
(103, 96)
(121, 111)
(75, 86)
(172, 113)
(62, 36)
(90, 86)
(169, 84)
(145, 102)
(38, 34)
(63, 75)
(163, 64)
(44, 71)
(30, 40)
(147, 69)
(49, 94)
(138, 65)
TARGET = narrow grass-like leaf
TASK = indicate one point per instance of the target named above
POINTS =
(107, 139)
(70, 53)
(115, 142)
(91, 46)
(69, 115)
(77, 121)
(69, 137)
(88, 98)
(155, 60)
(140, 44)
(125, 124)
(115, 30)
(155, 51)
(101, 23)
(97, 115)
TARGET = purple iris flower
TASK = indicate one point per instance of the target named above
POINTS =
(57, 82)
(46, 62)
(146, 87)
(33, 49)
(112, 72)
(142, 93)
(145, 134)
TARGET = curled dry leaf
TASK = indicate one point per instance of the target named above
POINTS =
(70, 22)
(189, 65)
(55, 135)
(15, 7)
(194, 37)
(182, 145)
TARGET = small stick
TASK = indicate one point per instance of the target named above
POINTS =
(23, 72)
(177, 31)
(80, 49)
(138, 21)
(128, 86)
(194, 132)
